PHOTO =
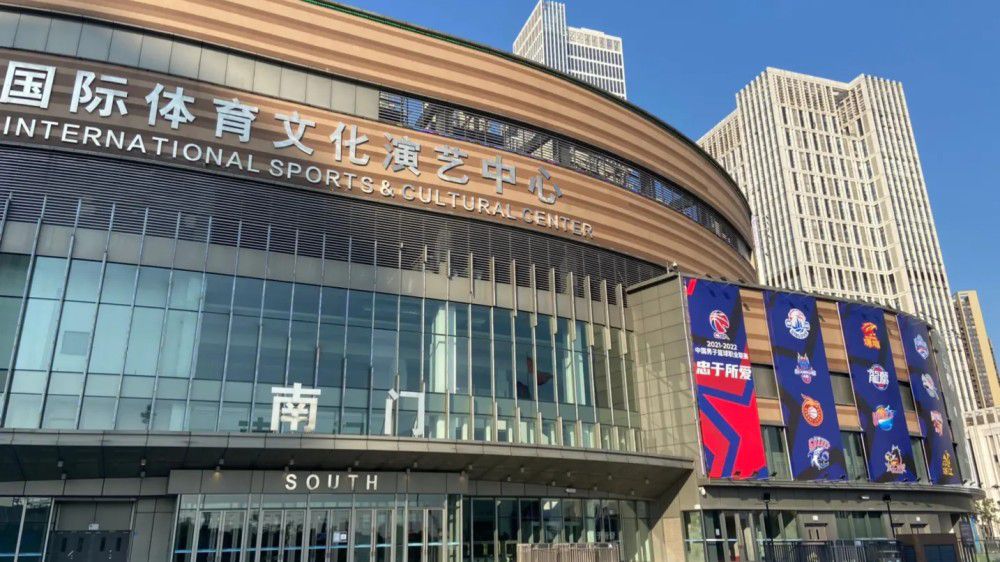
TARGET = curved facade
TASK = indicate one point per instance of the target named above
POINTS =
(289, 281)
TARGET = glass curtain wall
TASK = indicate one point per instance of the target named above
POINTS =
(117, 346)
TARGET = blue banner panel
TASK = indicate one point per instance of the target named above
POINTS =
(727, 404)
(927, 393)
(804, 387)
(876, 389)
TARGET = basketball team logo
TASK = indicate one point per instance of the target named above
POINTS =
(921, 346)
(812, 411)
(894, 461)
(878, 376)
(946, 467)
(882, 417)
(937, 420)
(720, 324)
(803, 368)
(928, 382)
(819, 452)
(869, 331)
(797, 324)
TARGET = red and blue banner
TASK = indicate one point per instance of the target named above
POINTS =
(804, 387)
(727, 404)
(876, 390)
(927, 393)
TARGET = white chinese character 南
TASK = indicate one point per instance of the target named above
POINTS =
(294, 138)
(537, 186)
(402, 153)
(452, 157)
(337, 138)
(174, 110)
(495, 169)
(101, 98)
(27, 84)
(234, 117)
(294, 406)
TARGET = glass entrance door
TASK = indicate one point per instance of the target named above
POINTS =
(372, 539)
(424, 535)
(329, 534)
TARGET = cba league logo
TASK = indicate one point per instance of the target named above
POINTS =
(870, 333)
(720, 324)
(797, 324)
(819, 452)
(882, 417)
(929, 386)
(921, 346)
(804, 369)
(894, 461)
(878, 376)
(812, 412)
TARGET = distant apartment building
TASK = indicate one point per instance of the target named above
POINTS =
(589, 55)
(840, 206)
(978, 349)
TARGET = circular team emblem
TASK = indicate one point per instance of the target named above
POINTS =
(928, 382)
(812, 412)
(882, 417)
(819, 452)
(797, 324)
(921, 346)
(720, 324)
(878, 376)
(803, 368)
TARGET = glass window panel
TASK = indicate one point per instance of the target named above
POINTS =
(764, 381)
(212, 66)
(212, 346)
(544, 368)
(84, 278)
(239, 72)
(95, 40)
(247, 296)
(204, 415)
(38, 334)
(152, 289)
(32, 32)
(277, 299)
(481, 368)
(409, 361)
(843, 393)
(564, 376)
(168, 415)
(383, 359)
(436, 362)
(97, 413)
(184, 59)
(242, 357)
(9, 310)
(110, 339)
(185, 290)
(133, 413)
(435, 317)
(410, 312)
(155, 54)
(334, 305)
(306, 306)
(525, 364)
(385, 311)
(359, 308)
(36, 519)
(119, 280)
(907, 395)
(293, 84)
(318, 90)
(302, 356)
(331, 354)
(459, 363)
(64, 36)
(144, 341)
(358, 356)
(125, 47)
(8, 27)
(47, 280)
(75, 328)
(459, 315)
(273, 351)
(60, 412)
(180, 330)
(218, 293)
(23, 411)
(266, 78)
(234, 417)
(13, 274)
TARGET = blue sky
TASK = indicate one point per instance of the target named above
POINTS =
(685, 60)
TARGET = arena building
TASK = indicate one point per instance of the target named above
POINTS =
(288, 281)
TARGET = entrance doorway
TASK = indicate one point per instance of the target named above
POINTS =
(88, 546)
(817, 532)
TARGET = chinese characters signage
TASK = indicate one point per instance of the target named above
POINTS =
(105, 112)
(727, 404)
(804, 387)
(876, 390)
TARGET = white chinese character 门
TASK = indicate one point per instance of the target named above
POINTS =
(174, 110)
(495, 169)
(27, 84)
(353, 142)
(537, 186)
(294, 138)
(294, 406)
(452, 157)
(103, 99)
(234, 117)
(402, 153)
(392, 400)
